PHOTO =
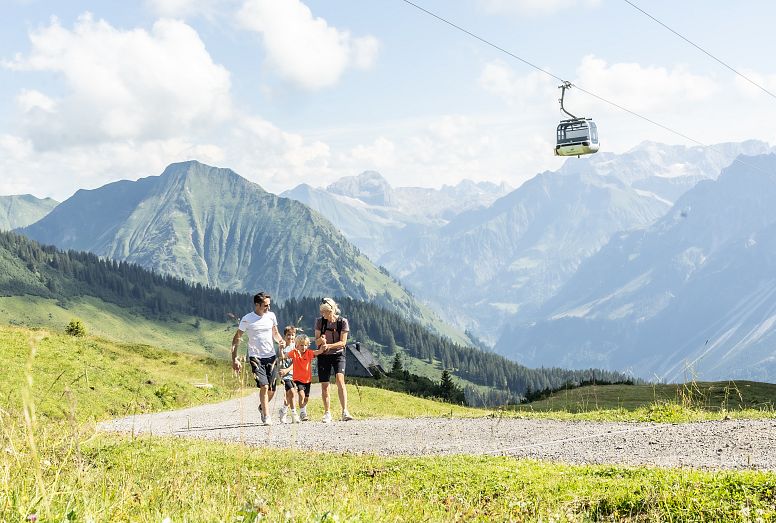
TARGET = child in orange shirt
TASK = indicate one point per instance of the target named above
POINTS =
(302, 358)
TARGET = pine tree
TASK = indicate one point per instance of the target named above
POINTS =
(447, 386)
(397, 369)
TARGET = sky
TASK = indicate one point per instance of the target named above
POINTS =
(288, 91)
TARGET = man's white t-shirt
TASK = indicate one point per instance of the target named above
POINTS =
(259, 329)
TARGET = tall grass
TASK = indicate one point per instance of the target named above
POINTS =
(55, 467)
(674, 403)
(113, 478)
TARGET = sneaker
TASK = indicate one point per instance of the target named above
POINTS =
(295, 417)
(303, 414)
(283, 414)
(326, 417)
(267, 420)
(346, 416)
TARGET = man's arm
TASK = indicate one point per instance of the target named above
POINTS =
(277, 337)
(236, 366)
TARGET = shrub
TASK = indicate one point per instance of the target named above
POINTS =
(75, 328)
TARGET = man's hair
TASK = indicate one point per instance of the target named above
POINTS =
(290, 329)
(260, 297)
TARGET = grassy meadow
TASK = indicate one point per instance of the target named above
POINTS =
(185, 334)
(93, 378)
(671, 403)
(192, 335)
(55, 467)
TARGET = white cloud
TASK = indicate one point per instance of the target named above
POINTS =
(302, 48)
(447, 149)
(536, 7)
(122, 85)
(31, 100)
(379, 155)
(188, 8)
(640, 88)
(500, 79)
(763, 80)
(135, 101)
(253, 147)
(275, 159)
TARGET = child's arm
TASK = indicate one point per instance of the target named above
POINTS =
(317, 352)
(285, 371)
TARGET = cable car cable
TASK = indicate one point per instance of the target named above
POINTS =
(590, 93)
(701, 49)
(601, 98)
(448, 22)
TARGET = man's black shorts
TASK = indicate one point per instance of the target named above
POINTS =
(264, 371)
(327, 361)
(303, 387)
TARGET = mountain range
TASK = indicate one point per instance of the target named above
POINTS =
(506, 254)
(378, 218)
(591, 265)
(211, 226)
(694, 294)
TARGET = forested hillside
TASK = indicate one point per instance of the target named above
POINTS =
(27, 267)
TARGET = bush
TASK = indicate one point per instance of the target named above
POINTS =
(75, 328)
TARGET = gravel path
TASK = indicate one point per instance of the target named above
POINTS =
(732, 444)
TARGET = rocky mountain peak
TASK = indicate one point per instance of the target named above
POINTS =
(369, 187)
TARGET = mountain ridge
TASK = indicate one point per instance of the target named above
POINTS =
(211, 226)
(21, 210)
(692, 293)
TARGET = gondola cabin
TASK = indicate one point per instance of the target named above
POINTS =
(576, 136)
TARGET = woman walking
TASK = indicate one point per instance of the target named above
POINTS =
(331, 336)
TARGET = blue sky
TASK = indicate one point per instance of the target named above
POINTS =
(285, 92)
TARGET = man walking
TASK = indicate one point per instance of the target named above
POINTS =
(262, 327)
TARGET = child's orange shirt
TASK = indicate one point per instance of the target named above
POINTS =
(303, 369)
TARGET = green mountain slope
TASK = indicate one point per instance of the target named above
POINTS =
(211, 226)
(22, 210)
(95, 378)
(42, 286)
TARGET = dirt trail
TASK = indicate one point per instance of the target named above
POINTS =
(731, 444)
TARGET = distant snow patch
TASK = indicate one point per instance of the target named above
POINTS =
(674, 170)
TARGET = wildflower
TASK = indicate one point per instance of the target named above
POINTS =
(32, 517)
(167, 520)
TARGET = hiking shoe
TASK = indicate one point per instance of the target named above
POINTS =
(283, 414)
(295, 417)
(346, 416)
(326, 417)
(303, 414)
(267, 420)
